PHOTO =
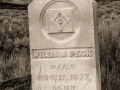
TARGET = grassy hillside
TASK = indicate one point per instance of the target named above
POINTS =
(14, 44)
(109, 42)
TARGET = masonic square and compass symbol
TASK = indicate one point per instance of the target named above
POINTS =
(61, 21)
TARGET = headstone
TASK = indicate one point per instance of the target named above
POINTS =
(64, 45)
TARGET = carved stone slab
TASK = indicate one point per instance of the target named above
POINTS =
(63, 45)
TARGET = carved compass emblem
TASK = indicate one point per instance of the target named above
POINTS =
(60, 20)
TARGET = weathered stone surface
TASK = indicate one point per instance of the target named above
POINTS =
(64, 53)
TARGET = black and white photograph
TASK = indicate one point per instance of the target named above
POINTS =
(59, 45)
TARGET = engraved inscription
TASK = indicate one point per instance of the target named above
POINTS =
(65, 53)
(58, 77)
(49, 54)
(72, 87)
(81, 53)
(62, 67)
(61, 80)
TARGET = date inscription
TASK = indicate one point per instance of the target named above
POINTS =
(61, 81)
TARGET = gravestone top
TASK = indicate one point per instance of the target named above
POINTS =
(64, 52)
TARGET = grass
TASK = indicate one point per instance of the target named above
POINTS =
(16, 64)
(109, 42)
(14, 44)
